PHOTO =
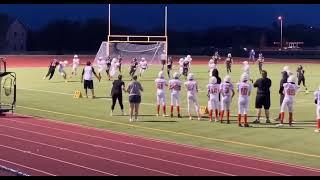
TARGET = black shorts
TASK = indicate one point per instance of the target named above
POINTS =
(263, 100)
(135, 99)
(163, 62)
(88, 84)
(169, 67)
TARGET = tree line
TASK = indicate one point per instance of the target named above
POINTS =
(67, 36)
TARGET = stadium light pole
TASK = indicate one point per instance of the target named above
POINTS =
(281, 19)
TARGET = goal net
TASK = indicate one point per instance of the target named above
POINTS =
(151, 50)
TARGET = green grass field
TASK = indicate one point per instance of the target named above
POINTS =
(298, 145)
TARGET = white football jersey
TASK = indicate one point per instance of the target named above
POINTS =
(244, 89)
(226, 89)
(214, 90)
(192, 87)
(175, 86)
(290, 90)
(317, 96)
(143, 64)
(161, 85)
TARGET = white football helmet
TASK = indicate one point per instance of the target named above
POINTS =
(75, 56)
(100, 58)
(213, 80)
(160, 74)
(229, 55)
(190, 76)
(143, 59)
(188, 56)
(285, 68)
(245, 63)
(244, 77)
(227, 78)
(291, 79)
(176, 75)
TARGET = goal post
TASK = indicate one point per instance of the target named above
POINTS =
(132, 46)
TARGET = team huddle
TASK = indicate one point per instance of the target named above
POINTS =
(220, 92)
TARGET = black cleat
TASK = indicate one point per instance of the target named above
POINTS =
(268, 121)
(240, 125)
(246, 125)
(256, 121)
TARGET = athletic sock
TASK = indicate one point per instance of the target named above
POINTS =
(228, 116)
(282, 117)
(158, 109)
(210, 114)
(216, 114)
(290, 118)
(178, 109)
(164, 109)
(239, 118)
(245, 119)
(221, 115)
(318, 125)
(171, 109)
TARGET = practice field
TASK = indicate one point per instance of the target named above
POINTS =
(297, 145)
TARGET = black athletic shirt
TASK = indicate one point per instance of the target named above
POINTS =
(263, 85)
(117, 87)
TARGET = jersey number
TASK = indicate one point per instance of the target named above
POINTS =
(244, 91)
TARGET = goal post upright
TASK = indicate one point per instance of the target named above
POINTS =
(136, 39)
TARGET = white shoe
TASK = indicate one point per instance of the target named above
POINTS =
(44, 78)
(130, 120)
(164, 115)
(280, 125)
(199, 118)
(190, 118)
(111, 113)
(216, 120)
(317, 130)
(157, 115)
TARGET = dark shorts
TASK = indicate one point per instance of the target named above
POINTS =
(88, 84)
(163, 62)
(169, 66)
(301, 80)
(262, 100)
(135, 99)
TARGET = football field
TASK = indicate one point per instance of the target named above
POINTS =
(299, 145)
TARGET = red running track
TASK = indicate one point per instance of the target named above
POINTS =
(44, 147)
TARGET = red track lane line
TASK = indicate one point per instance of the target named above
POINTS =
(25, 169)
(175, 145)
(146, 149)
(27, 142)
(158, 154)
(12, 153)
(129, 153)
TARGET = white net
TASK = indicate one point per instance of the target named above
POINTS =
(150, 51)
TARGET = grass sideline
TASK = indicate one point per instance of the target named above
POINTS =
(42, 98)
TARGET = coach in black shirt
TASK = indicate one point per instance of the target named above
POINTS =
(263, 96)
(116, 93)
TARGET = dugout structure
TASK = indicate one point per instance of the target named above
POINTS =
(7, 88)
(152, 48)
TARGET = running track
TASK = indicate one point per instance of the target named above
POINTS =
(45, 147)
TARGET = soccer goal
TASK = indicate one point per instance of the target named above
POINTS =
(134, 46)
